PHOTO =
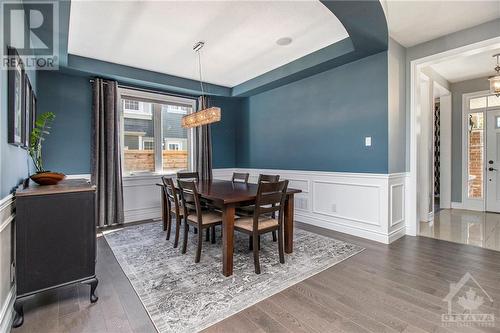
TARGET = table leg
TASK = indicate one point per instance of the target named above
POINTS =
(227, 240)
(288, 227)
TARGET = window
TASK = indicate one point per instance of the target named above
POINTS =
(131, 104)
(176, 146)
(477, 103)
(493, 101)
(475, 155)
(153, 138)
(175, 153)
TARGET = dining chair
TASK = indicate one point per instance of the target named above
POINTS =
(248, 210)
(196, 216)
(174, 206)
(270, 199)
(188, 175)
(240, 177)
(191, 176)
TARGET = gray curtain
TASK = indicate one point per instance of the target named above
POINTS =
(106, 156)
(203, 145)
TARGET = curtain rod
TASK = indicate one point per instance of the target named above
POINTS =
(150, 90)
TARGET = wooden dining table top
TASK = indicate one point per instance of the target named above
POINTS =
(228, 192)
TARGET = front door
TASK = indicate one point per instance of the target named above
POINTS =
(493, 161)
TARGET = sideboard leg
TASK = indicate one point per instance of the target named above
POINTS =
(93, 286)
(19, 317)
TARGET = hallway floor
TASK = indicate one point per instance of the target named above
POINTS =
(465, 227)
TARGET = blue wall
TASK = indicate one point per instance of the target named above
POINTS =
(67, 148)
(15, 164)
(319, 123)
(224, 132)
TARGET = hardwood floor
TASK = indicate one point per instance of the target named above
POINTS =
(387, 288)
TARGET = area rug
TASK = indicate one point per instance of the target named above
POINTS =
(181, 296)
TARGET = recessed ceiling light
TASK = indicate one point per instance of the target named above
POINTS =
(283, 41)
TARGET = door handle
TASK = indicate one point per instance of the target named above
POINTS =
(492, 169)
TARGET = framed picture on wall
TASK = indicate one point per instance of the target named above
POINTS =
(27, 112)
(15, 88)
(33, 111)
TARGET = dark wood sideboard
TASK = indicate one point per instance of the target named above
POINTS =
(55, 239)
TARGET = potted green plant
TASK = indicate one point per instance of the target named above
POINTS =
(37, 137)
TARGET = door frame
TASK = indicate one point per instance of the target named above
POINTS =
(415, 68)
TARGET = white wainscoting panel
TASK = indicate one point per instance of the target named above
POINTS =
(7, 288)
(365, 205)
(341, 200)
(141, 198)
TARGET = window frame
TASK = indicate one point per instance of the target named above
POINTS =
(156, 98)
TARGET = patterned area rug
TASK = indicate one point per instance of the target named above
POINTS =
(181, 296)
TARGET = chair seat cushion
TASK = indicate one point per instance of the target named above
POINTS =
(206, 217)
(246, 223)
(181, 210)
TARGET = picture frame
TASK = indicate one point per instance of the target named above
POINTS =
(15, 88)
(33, 111)
(27, 114)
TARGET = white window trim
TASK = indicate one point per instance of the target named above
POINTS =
(160, 98)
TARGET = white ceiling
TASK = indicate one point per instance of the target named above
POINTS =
(240, 36)
(468, 66)
(414, 22)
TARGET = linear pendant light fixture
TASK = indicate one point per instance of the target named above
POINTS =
(206, 115)
(495, 80)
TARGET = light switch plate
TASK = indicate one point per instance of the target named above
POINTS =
(368, 141)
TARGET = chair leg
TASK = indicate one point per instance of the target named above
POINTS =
(280, 245)
(207, 235)
(198, 249)
(177, 227)
(259, 241)
(212, 235)
(169, 224)
(185, 239)
(250, 243)
(274, 236)
(256, 254)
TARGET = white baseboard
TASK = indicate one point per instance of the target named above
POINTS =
(371, 206)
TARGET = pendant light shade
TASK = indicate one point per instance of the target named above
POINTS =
(202, 117)
(206, 115)
(495, 80)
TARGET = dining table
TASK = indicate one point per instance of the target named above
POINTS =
(227, 196)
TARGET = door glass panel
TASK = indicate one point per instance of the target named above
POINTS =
(477, 103)
(138, 136)
(174, 138)
(475, 155)
(493, 101)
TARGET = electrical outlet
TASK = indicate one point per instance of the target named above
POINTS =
(334, 208)
(368, 141)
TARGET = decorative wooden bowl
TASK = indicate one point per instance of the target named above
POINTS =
(47, 178)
